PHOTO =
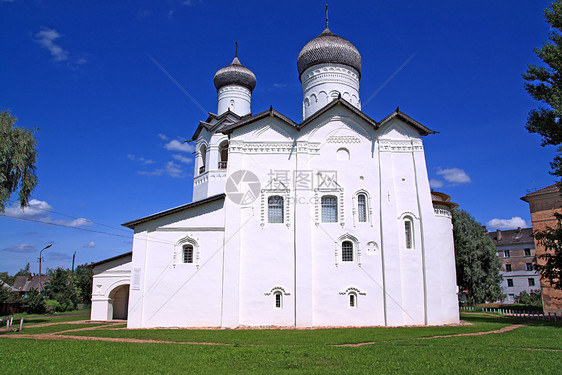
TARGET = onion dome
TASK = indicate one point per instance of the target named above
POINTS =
(328, 48)
(235, 74)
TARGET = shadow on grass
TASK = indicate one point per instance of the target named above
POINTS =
(510, 320)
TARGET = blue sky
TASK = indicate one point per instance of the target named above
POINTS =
(110, 124)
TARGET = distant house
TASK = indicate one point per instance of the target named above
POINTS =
(24, 284)
(516, 251)
(543, 204)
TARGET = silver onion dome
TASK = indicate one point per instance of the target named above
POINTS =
(328, 48)
(235, 74)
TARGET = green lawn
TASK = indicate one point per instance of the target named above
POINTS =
(68, 316)
(397, 351)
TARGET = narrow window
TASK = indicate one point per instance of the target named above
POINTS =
(347, 251)
(527, 252)
(362, 208)
(529, 266)
(278, 300)
(203, 152)
(188, 253)
(352, 300)
(223, 151)
(506, 254)
(508, 267)
(329, 209)
(231, 107)
(409, 234)
(275, 209)
(531, 282)
(510, 282)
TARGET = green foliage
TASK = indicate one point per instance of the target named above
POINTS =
(33, 303)
(18, 156)
(550, 264)
(82, 282)
(60, 290)
(24, 271)
(476, 261)
(533, 299)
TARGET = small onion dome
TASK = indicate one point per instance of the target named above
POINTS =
(235, 74)
(328, 48)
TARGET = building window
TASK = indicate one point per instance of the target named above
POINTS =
(531, 282)
(275, 209)
(188, 253)
(203, 153)
(362, 208)
(352, 300)
(347, 251)
(529, 266)
(223, 153)
(511, 297)
(506, 254)
(329, 209)
(527, 252)
(509, 282)
(278, 300)
(408, 232)
(508, 267)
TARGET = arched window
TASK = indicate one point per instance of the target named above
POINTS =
(231, 107)
(347, 251)
(275, 209)
(409, 233)
(203, 153)
(278, 300)
(223, 150)
(362, 208)
(352, 300)
(188, 253)
(329, 209)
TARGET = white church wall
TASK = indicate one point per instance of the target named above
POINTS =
(107, 277)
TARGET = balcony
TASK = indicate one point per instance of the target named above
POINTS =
(222, 164)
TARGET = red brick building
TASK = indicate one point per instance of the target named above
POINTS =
(543, 204)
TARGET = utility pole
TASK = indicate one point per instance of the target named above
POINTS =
(73, 257)
(41, 258)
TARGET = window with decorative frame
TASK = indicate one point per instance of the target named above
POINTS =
(352, 300)
(278, 300)
(329, 209)
(275, 209)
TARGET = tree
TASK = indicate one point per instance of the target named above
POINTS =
(551, 266)
(18, 156)
(82, 281)
(544, 83)
(476, 260)
(60, 290)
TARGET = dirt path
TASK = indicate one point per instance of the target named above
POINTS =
(501, 330)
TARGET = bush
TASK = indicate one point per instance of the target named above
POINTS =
(33, 303)
(531, 299)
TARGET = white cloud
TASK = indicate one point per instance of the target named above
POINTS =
(57, 255)
(171, 169)
(163, 137)
(46, 39)
(39, 210)
(23, 248)
(435, 183)
(175, 145)
(183, 159)
(513, 223)
(140, 159)
(91, 244)
(454, 175)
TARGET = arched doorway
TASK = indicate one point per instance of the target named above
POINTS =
(119, 303)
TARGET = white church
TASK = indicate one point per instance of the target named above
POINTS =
(325, 222)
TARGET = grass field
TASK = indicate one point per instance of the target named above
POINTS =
(535, 348)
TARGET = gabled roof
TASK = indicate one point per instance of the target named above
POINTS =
(331, 105)
(512, 237)
(92, 265)
(132, 224)
(250, 119)
(423, 130)
(544, 191)
(221, 119)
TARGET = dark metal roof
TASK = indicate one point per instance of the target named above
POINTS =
(248, 120)
(547, 190)
(92, 265)
(332, 104)
(328, 48)
(131, 224)
(235, 74)
(512, 237)
(223, 119)
(423, 130)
